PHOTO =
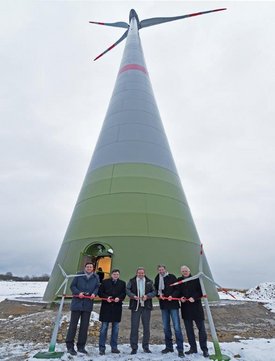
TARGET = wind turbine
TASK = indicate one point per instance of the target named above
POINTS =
(134, 23)
(132, 30)
(132, 201)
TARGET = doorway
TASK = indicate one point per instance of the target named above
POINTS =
(100, 254)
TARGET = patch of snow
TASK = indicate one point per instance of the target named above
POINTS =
(94, 316)
(13, 290)
(264, 292)
(243, 350)
(270, 306)
(232, 295)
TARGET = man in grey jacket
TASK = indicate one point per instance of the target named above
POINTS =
(141, 290)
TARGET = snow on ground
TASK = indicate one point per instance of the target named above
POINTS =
(263, 292)
(238, 296)
(13, 290)
(243, 350)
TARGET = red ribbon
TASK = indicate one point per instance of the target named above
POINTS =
(89, 297)
(113, 300)
(180, 298)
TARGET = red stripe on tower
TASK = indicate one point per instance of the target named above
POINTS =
(133, 67)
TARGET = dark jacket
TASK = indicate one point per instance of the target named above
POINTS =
(111, 311)
(86, 285)
(131, 290)
(100, 275)
(168, 291)
(189, 310)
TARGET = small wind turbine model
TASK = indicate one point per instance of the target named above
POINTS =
(51, 353)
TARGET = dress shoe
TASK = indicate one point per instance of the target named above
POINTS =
(133, 352)
(147, 350)
(115, 350)
(205, 354)
(72, 351)
(82, 350)
(166, 350)
(181, 354)
(191, 351)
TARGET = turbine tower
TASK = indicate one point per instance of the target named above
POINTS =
(131, 210)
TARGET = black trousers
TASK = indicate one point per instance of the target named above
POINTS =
(191, 335)
(84, 317)
(145, 315)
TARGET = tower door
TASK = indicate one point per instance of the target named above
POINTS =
(100, 254)
(105, 263)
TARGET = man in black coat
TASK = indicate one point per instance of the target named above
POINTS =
(85, 284)
(100, 274)
(113, 290)
(169, 309)
(191, 310)
(141, 290)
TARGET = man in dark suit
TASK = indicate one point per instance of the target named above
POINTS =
(113, 290)
(192, 311)
(141, 290)
(85, 284)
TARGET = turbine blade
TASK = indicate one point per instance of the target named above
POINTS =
(155, 21)
(225, 290)
(62, 270)
(212, 281)
(77, 275)
(112, 46)
(62, 284)
(186, 280)
(119, 24)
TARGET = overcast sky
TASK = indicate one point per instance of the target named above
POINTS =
(214, 81)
